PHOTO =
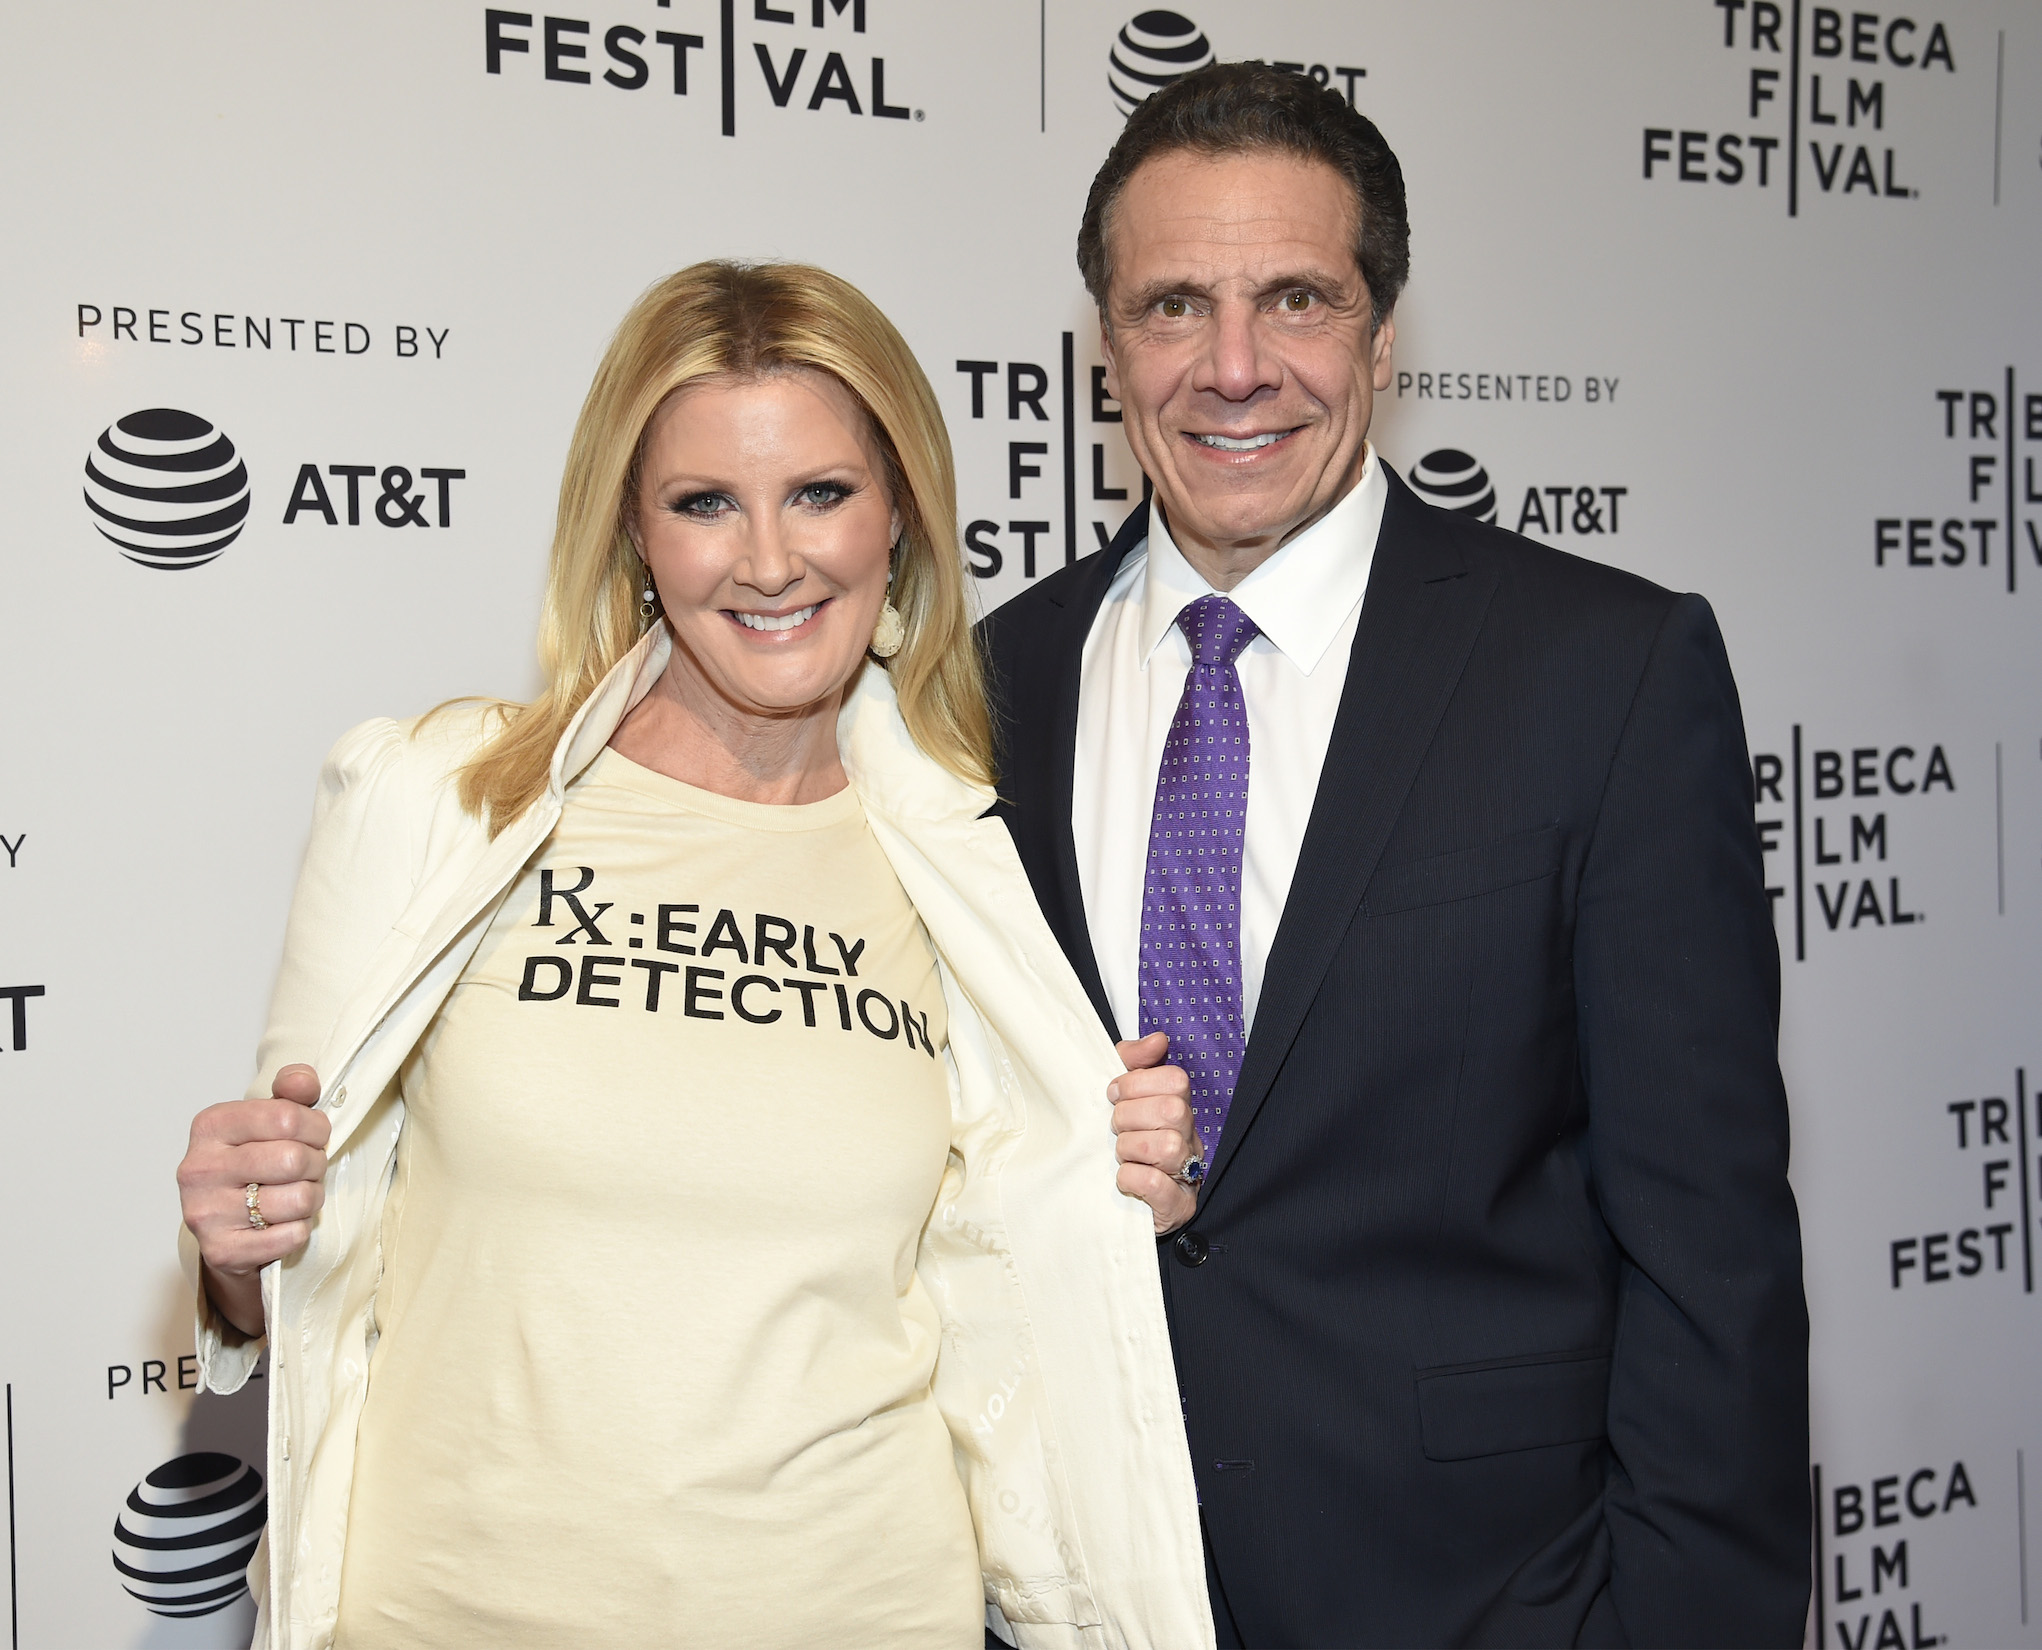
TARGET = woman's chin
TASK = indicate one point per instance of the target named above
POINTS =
(782, 688)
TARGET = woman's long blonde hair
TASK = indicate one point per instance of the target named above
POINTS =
(743, 320)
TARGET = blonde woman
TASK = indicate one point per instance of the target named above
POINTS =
(715, 1227)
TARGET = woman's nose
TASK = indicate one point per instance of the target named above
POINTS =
(771, 564)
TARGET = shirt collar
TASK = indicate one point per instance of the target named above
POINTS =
(1300, 597)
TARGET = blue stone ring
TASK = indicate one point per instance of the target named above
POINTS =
(1192, 1173)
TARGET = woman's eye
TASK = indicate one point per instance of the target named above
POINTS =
(700, 504)
(821, 495)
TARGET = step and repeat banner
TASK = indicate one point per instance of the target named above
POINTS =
(303, 300)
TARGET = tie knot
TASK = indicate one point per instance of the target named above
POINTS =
(1216, 629)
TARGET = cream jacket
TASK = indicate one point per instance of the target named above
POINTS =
(1054, 1373)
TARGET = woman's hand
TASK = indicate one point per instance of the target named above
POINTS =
(1157, 1132)
(279, 1144)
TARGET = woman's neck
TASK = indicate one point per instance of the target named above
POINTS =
(688, 731)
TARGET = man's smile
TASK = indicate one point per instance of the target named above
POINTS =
(1242, 443)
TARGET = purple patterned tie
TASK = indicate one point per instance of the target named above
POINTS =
(1191, 898)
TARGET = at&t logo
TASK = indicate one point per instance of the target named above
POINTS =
(1457, 481)
(167, 488)
(1159, 48)
(183, 1543)
(1156, 49)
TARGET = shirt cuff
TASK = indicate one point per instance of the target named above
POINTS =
(226, 1356)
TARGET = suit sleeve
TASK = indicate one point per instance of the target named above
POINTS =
(1678, 979)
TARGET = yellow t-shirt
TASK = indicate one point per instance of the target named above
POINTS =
(654, 1361)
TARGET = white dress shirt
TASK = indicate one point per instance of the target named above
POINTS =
(1306, 600)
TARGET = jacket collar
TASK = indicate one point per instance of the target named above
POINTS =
(629, 680)
(891, 773)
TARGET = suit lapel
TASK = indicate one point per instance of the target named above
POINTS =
(1066, 909)
(1419, 620)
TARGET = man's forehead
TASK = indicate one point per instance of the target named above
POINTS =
(1246, 216)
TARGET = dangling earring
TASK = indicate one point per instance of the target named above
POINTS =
(889, 633)
(648, 601)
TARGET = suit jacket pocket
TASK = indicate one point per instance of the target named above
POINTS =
(1526, 1403)
(1465, 873)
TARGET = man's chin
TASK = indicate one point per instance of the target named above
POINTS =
(1255, 510)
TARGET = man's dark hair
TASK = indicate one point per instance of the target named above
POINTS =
(1240, 108)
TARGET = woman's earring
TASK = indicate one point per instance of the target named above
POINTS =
(889, 633)
(648, 602)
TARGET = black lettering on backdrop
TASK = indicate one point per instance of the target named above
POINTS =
(17, 997)
(309, 494)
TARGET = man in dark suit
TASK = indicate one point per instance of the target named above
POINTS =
(1432, 849)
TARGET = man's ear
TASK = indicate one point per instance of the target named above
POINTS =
(1112, 366)
(1379, 352)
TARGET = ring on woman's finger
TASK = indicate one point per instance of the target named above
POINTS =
(254, 1201)
(1192, 1173)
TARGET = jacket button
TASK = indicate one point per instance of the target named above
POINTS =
(1191, 1248)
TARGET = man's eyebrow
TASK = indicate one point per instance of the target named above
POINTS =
(1312, 280)
(1156, 291)
(1338, 288)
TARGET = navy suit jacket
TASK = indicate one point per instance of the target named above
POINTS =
(1490, 1324)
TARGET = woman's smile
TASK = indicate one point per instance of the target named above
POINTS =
(777, 624)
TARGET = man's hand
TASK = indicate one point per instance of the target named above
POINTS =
(280, 1145)
(1157, 1132)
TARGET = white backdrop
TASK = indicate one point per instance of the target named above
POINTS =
(1740, 296)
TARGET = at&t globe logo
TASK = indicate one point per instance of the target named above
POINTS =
(1455, 481)
(1156, 49)
(167, 488)
(183, 1544)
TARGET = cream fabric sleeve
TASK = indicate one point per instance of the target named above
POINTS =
(359, 869)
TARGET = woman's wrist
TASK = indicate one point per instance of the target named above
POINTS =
(236, 1301)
